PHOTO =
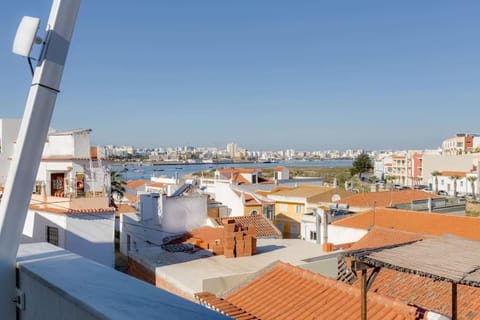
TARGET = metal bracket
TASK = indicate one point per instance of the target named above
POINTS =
(19, 300)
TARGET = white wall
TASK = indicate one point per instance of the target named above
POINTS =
(137, 233)
(74, 144)
(223, 193)
(336, 234)
(35, 228)
(8, 135)
(59, 145)
(447, 163)
(89, 235)
(92, 236)
(181, 214)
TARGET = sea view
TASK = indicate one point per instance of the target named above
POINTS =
(139, 172)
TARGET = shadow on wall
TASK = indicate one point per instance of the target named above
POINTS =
(77, 238)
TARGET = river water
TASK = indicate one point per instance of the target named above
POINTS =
(139, 172)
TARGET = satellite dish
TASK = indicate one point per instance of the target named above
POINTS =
(336, 197)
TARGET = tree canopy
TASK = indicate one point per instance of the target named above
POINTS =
(361, 164)
(117, 184)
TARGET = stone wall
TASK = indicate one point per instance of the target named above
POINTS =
(472, 206)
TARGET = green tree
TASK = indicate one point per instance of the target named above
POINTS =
(472, 180)
(390, 180)
(361, 164)
(436, 174)
(117, 185)
(454, 178)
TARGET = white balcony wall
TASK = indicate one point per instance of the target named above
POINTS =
(59, 284)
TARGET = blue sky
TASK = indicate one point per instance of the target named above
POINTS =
(266, 74)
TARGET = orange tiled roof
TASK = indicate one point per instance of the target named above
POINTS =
(279, 168)
(454, 173)
(304, 191)
(414, 221)
(427, 293)
(239, 170)
(385, 198)
(157, 185)
(265, 229)
(131, 197)
(124, 208)
(330, 195)
(70, 211)
(133, 184)
(288, 292)
(380, 236)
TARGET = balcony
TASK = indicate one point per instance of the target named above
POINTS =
(57, 284)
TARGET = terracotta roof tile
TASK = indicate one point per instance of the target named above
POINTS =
(212, 302)
(385, 198)
(427, 293)
(265, 229)
(413, 221)
(305, 191)
(288, 292)
(454, 173)
(330, 196)
(124, 208)
(58, 210)
(157, 185)
(133, 184)
(380, 236)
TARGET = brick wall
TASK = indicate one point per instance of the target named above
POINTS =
(139, 271)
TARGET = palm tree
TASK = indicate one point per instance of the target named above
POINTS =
(472, 180)
(436, 174)
(455, 177)
(117, 185)
(390, 179)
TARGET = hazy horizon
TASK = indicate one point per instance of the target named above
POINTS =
(267, 75)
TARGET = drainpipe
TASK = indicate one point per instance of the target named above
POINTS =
(31, 141)
(324, 226)
(317, 226)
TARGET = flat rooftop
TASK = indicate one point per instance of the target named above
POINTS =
(189, 274)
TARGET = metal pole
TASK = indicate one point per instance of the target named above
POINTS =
(31, 140)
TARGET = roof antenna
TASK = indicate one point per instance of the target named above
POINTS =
(25, 37)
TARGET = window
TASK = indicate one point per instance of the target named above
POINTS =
(52, 235)
(313, 235)
(298, 208)
(279, 226)
(269, 212)
(128, 243)
(294, 228)
(253, 212)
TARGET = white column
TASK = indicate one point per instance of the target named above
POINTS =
(31, 140)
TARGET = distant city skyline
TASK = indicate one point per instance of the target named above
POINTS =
(267, 75)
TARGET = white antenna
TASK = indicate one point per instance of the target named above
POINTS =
(26, 36)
